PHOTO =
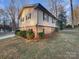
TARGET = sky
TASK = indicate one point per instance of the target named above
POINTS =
(4, 4)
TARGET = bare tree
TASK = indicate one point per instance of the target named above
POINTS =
(55, 4)
(13, 9)
(23, 3)
(12, 12)
(52, 4)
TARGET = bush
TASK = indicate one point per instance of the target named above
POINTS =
(41, 34)
(23, 33)
(30, 34)
(69, 26)
(17, 32)
(20, 33)
(26, 34)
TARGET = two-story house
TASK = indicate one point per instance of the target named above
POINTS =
(37, 18)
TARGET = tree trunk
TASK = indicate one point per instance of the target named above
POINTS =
(13, 25)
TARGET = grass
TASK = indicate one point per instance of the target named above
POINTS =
(65, 45)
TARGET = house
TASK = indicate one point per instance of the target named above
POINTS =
(37, 18)
(76, 16)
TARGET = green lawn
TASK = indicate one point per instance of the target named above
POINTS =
(65, 45)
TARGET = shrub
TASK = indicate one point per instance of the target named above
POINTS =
(30, 34)
(26, 34)
(41, 35)
(69, 26)
(17, 32)
(23, 33)
(20, 33)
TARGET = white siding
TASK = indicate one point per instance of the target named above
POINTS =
(45, 22)
(40, 17)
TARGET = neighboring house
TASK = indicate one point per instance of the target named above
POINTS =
(76, 15)
(38, 18)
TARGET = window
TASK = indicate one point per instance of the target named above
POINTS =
(43, 30)
(47, 17)
(44, 16)
(52, 20)
(22, 19)
(28, 16)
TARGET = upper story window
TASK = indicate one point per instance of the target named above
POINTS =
(45, 17)
(28, 16)
(22, 19)
(52, 20)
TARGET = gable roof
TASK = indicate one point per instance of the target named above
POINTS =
(37, 6)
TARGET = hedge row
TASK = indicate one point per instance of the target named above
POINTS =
(29, 34)
(26, 34)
